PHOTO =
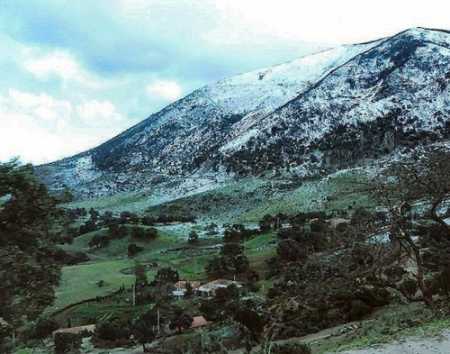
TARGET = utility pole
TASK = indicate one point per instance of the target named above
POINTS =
(134, 294)
(157, 318)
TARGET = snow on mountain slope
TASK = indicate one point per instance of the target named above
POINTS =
(319, 112)
(269, 88)
(395, 94)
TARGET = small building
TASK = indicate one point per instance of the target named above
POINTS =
(209, 289)
(199, 321)
(76, 330)
(181, 287)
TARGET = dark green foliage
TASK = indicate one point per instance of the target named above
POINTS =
(266, 223)
(66, 195)
(99, 241)
(67, 343)
(141, 234)
(28, 272)
(112, 331)
(180, 320)
(134, 249)
(116, 231)
(291, 251)
(193, 238)
(44, 328)
(148, 221)
(140, 274)
(143, 329)
(224, 295)
(88, 226)
(127, 217)
(232, 260)
(291, 348)
(94, 215)
(167, 275)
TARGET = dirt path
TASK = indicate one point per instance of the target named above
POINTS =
(411, 345)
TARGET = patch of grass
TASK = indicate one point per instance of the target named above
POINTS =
(93, 312)
(79, 282)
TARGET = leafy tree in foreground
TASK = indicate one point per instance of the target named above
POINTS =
(28, 273)
(424, 179)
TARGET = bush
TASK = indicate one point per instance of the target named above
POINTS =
(193, 237)
(98, 241)
(67, 343)
(139, 233)
(291, 348)
(111, 331)
(133, 249)
(291, 251)
(117, 231)
(44, 328)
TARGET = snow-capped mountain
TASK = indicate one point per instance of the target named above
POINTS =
(318, 113)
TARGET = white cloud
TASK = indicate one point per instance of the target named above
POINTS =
(40, 128)
(167, 90)
(326, 21)
(98, 113)
(58, 64)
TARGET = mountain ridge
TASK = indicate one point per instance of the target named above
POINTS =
(278, 118)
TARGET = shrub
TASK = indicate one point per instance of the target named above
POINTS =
(98, 241)
(167, 275)
(144, 235)
(67, 343)
(193, 237)
(44, 328)
(111, 331)
(134, 249)
(117, 231)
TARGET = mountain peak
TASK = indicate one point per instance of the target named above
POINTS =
(315, 114)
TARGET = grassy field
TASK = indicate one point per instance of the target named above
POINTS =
(79, 282)
(112, 266)
(246, 201)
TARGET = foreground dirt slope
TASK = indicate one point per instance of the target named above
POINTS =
(411, 345)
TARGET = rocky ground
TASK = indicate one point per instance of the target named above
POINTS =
(411, 345)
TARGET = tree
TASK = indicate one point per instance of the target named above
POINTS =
(180, 320)
(94, 215)
(99, 241)
(66, 195)
(232, 260)
(143, 330)
(193, 237)
(112, 330)
(167, 275)
(44, 328)
(67, 343)
(291, 251)
(134, 249)
(421, 178)
(28, 273)
(266, 223)
(116, 231)
(139, 233)
(140, 275)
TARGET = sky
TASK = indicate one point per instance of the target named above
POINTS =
(74, 73)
